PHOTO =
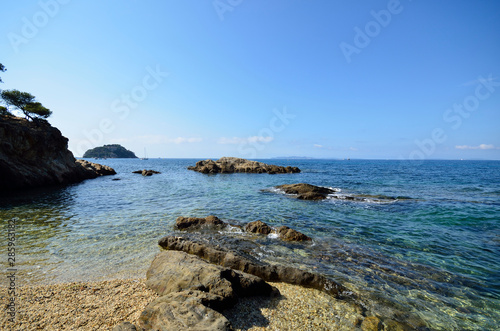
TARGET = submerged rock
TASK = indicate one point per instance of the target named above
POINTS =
(288, 234)
(235, 254)
(306, 191)
(233, 164)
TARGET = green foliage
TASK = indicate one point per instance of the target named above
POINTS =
(4, 111)
(26, 103)
(2, 69)
(37, 109)
(109, 151)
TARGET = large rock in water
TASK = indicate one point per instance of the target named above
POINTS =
(195, 223)
(36, 154)
(234, 253)
(306, 191)
(233, 164)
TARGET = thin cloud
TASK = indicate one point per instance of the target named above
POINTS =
(482, 146)
(159, 139)
(318, 146)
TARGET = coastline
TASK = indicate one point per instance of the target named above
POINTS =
(104, 304)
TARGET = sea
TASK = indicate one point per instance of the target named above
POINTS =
(411, 236)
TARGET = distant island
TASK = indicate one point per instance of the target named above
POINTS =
(292, 158)
(113, 151)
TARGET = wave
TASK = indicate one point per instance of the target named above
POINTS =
(367, 198)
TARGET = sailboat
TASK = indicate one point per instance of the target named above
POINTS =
(145, 155)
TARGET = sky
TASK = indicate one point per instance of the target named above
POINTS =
(260, 79)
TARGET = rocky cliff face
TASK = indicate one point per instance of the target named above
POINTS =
(36, 154)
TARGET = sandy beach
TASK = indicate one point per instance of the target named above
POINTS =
(102, 305)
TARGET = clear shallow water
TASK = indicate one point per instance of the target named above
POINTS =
(425, 239)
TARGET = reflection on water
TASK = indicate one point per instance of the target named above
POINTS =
(434, 254)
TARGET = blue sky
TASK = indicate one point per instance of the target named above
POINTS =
(257, 79)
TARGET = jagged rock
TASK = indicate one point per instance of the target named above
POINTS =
(284, 232)
(288, 234)
(233, 164)
(230, 253)
(145, 172)
(306, 191)
(36, 154)
(184, 223)
(186, 310)
(175, 271)
(98, 169)
(192, 291)
(258, 227)
(125, 326)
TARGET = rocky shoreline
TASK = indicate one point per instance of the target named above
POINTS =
(203, 272)
(36, 154)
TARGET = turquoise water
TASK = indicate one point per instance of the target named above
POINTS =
(421, 237)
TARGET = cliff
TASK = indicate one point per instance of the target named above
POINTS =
(110, 152)
(36, 154)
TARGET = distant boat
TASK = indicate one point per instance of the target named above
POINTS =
(145, 155)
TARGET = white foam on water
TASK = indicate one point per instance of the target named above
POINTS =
(273, 235)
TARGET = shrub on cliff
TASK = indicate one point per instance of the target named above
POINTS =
(4, 111)
(26, 103)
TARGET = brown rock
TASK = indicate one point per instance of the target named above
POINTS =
(258, 227)
(193, 223)
(186, 310)
(371, 323)
(175, 271)
(306, 191)
(230, 255)
(98, 169)
(233, 164)
(288, 234)
(145, 172)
